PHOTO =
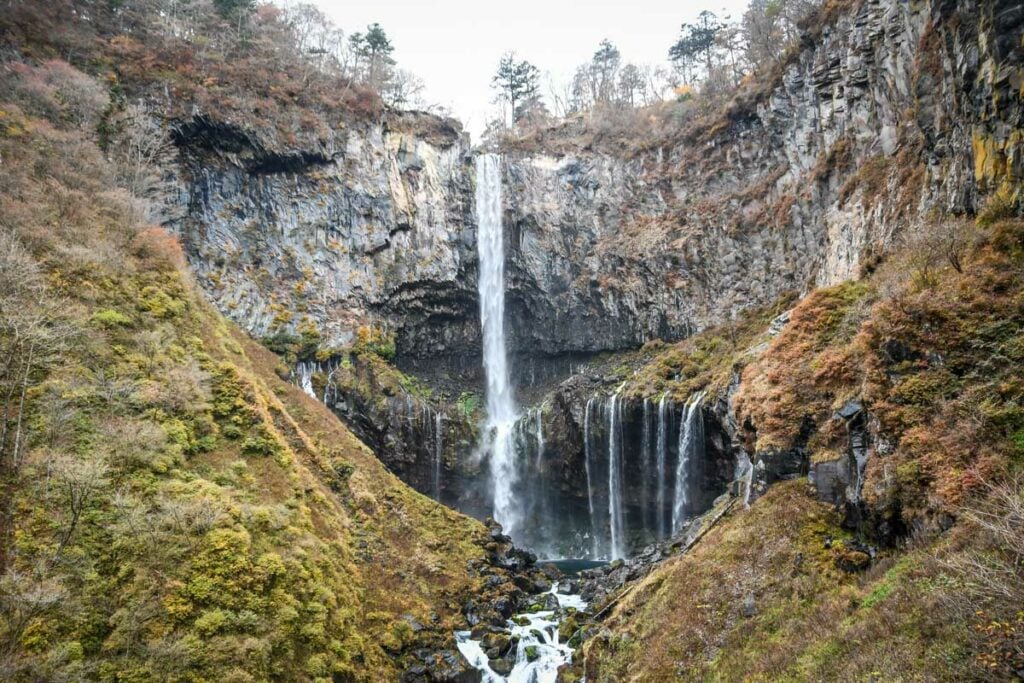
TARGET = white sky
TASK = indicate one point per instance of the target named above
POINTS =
(454, 45)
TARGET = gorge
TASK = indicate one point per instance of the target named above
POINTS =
(299, 383)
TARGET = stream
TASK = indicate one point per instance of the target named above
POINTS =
(538, 650)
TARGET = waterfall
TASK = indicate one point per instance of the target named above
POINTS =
(660, 465)
(645, 459)
(501, 407)
(691, 449)
(540, 437)
(305, 371)
(590, 486)
(615, 477)
(438, 453)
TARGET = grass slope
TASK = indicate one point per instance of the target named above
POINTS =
(172, 510)
(931, 343)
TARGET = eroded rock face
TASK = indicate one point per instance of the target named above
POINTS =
(892, 110)
(873, 124)
(374, 229)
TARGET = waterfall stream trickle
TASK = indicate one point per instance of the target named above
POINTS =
(305, 373)
(615, 523)
(661, 462)
(590, 484)
(502, 413)
(691, 449)
(438, 453)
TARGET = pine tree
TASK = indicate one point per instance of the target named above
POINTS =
(697, 40)
(606, 68)
(373, 49)
(516, 82)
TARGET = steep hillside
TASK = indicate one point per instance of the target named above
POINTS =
(172, 509)
(895, 559)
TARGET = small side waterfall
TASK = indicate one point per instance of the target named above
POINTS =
(540, 438)
(645, 456)
(502, 413)
(691, 450)
(438, 453)
(590, 482)
(615, 523)
(305, 371)
(662, 460)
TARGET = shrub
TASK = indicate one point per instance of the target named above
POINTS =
(261, 445)
(158, 249)
(110, 319)
(376, 341)
(468, 404)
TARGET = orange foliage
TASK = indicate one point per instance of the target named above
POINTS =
(158, 249)
(937, 369)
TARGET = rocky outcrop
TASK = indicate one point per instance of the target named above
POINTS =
(871, 125)
(887, 111)
(373, 229)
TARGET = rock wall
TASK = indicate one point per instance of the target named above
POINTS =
(893, 110)
(374, 229)
(888, 111)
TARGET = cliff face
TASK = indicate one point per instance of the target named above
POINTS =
(889, 112)
(372, 230)
(893, 110)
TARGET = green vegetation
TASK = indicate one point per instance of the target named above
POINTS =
(170, 509)
(930, 343)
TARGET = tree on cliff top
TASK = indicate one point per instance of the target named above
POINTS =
(698, 41)
(517, 81)
(373, 53)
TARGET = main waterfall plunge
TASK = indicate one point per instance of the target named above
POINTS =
(595, 476)
(639, 486)
(501, 408)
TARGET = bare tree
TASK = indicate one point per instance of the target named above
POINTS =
(32, 333)
(24, 597)
(404, 89)
(140, 147)
(76, 480)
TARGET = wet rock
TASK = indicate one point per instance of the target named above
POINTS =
(444, 666)
(850, 410)
(502, 666)
(551, 572)
(471, 613)
(504, 606)
(496, 644)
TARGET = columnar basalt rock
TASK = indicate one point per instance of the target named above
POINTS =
(373, 230)
(887, 111)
